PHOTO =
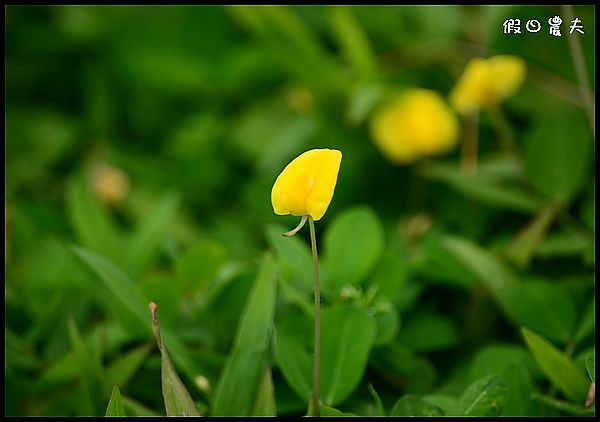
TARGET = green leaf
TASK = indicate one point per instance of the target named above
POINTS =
(587, 324)
(353, 244)
(288, 137)
(265, 399)
(135, 408)
(99, 97)
(442, 266)
(92, 224)
(347, 335)
(590, 365)
(85, 362)
(448, 404)
(362, 100)
(558, 153)
(557, 366)
(20, 353)
(293, 44)
(288, 131)
(495, 275)
(565, 243)
(50, 268)
(107, 335)
(387, 321)
(328, 411)
(293, 253)
(486, 187)
(120, 285)
(520, 388)
(145, 240)
(354, 42)
(294, 296)
(380, 410)
(115, 404)
(545, 307)
(293, 351)
(411, 405)
(485, 397)
(389, 277)
(125, 366)
(28, 159)
(199, 264)
(248, 359)
(564, 406)
(496, 358)
(582, 356)
(428, 332)
(401, 366)
(298, 35)
(125, 292)
(524, 245)
(178, 401)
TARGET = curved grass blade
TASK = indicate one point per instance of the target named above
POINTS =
(178, 401)
(236, 392)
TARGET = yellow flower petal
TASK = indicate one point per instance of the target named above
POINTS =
(387, 130)
(306, 185)
(416, 124)
(487, 82)
(473, 89)
(507, 74)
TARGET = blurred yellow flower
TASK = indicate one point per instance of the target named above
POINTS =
(487, 82)
(416, 124)
(111, 184)
(306, 185)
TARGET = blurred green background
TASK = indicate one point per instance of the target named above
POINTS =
(141, 147)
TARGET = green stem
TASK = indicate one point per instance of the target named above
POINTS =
(579, 63)
(506, 137)
(317, 353)
(468, 156)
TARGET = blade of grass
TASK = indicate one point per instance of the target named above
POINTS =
(115, 404)
(236, 391)
(354, 42)
(178, 401)
(124, 291)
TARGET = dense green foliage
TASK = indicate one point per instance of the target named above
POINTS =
(444, 293)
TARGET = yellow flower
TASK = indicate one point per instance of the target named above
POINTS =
(306, 185)
(111, 184)
(416, 124)
(487, 82)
